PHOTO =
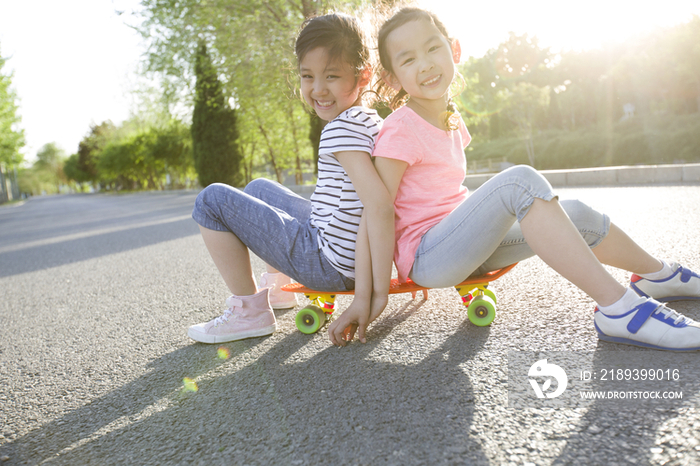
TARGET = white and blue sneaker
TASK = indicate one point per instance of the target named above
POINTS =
(651, 325)
(682, 284)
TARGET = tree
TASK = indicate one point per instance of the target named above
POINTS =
(173, 145)
(492, 80)
(11, 136)
(685, 49)
(214, 133)
(46, 174)
(50, 160)
(89, 148)
(523, 102)
(128, 163)
(74, 173)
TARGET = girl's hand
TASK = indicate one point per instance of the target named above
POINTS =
(354, 319)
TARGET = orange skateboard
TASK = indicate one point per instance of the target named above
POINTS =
(480, 301)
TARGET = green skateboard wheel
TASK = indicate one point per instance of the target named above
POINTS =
(481, 311)
(491, 295)
(310, 319)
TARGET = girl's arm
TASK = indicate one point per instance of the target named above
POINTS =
(374, 248)
(356, 316)
(390, 171)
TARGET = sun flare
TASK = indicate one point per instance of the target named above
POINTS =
(562, 26)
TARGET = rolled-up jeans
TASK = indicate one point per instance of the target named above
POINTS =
(483, 233)
(274, 223)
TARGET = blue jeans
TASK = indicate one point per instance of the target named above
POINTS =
(273, 222)
(483, 234)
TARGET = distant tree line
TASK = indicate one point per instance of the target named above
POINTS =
(226, 108)
(154, 157)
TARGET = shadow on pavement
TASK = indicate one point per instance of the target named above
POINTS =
(56, 216)
(53, 255)
(340, 406)
(137, 220)
(165, 377)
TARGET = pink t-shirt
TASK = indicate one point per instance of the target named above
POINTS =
(431, 186)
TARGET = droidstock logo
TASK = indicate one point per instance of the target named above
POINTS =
(544, 370)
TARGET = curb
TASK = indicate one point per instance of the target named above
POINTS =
(610, 176)
(581, 177)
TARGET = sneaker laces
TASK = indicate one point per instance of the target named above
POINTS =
(671, 314)
(232, 302)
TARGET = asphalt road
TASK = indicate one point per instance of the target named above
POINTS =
(97, 291)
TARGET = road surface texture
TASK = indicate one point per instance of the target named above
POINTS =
(97, 292)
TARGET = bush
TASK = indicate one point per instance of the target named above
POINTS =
(658, 139)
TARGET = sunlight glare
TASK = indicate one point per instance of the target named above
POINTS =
(189, 385)
(223, 353)
(562, 26)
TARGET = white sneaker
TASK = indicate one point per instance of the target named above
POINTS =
(651, 325)
(246, 317)
(278, 299)
(683, 284)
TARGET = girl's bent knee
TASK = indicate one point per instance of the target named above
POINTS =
(213, 190)
(257, 186)
(526, 177)
(527, 173)
(215, 196)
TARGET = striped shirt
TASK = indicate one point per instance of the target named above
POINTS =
(335, 207)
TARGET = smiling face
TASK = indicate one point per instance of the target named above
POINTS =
(330, 87)
(422, 62)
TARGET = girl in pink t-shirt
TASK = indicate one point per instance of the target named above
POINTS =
(444, 234)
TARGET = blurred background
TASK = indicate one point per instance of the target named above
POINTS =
(171, 94)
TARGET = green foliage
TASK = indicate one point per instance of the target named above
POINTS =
(11, 136)
(50, 160)
(564, 111)
(134, 155)
(173, 145)
(50, 157)
(35, 182)
(644, 140)
(510, 76)
(73, 172)
(46, 176)
(129, 163)
(90, 147)
(524, 101)
(214, 132)
(520, 100)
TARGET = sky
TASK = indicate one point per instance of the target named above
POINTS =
(75, 61)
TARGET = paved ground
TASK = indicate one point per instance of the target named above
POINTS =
(96, 293)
